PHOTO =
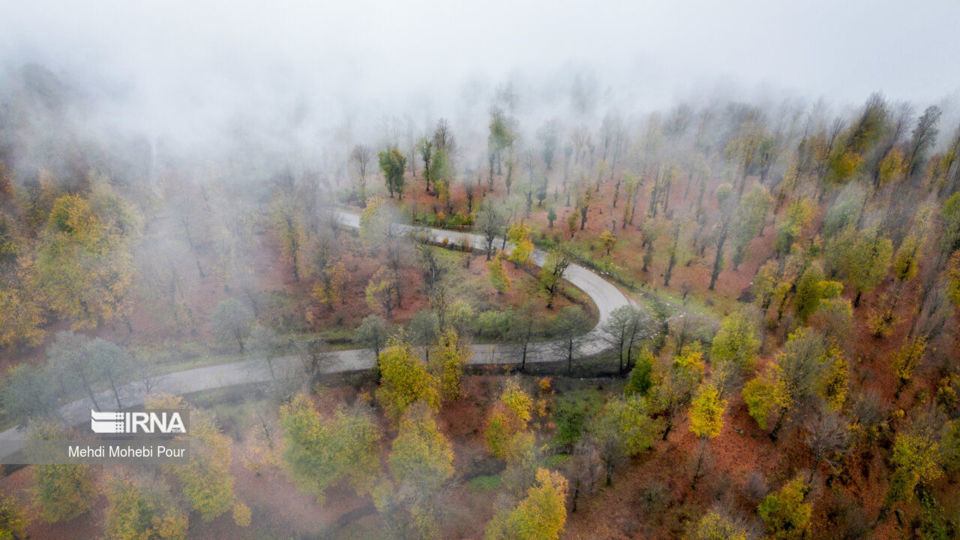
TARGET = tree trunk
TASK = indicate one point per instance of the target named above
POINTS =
(237, 334)
(696, 473)
(778, 425)
(718, 260)
(116, 394)
(86, 385)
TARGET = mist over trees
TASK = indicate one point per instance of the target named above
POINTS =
(791, 269)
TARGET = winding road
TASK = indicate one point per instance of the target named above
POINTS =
(605, 296)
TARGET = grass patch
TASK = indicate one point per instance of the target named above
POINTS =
(557, 461)
(485, 483)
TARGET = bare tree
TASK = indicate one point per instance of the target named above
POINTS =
(490, 223)
(360, 157)
(627, 327)
(552, 272)
(826, 434)
(570, 327)
(923, 137)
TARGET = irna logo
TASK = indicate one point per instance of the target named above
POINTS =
(137, 422)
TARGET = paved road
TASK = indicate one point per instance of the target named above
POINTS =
(605, 296)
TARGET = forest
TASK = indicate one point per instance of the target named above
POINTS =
(720, 319)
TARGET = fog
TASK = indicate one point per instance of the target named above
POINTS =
(297, 70)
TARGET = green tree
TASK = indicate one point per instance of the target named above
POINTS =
(785, 513)
(373, 333)
(498, 276)
(799, 215)
(950, 232)
(111, 363)
(425, 148)
(232, 322)
(808, 296)
(423, 330)
(572, 219)
(421, 456)
(28, 393)
(623, 429)
(736, 342)
(264, 344)
(322, 451)
(73, 365)
(792, 381)
(641, 376)
(500, 138)
(950, 446)
(541, 515)
(868, 263)
(953, 279)
(393, 164)
(751, 217)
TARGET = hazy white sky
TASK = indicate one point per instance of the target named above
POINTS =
(209, 56)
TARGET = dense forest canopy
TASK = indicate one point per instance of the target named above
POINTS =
(418, 302)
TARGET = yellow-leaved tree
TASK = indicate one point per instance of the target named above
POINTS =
(706, 419)
(13, 519)
(507, 420)
(404, 380)
(519, 234)
(321, 451)
(785, 513)
(83, 261)
(206, 479)
(138, 509)
(61, 491)
(421, 461)
(498, 276)
(541, 515)
(449, 356)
